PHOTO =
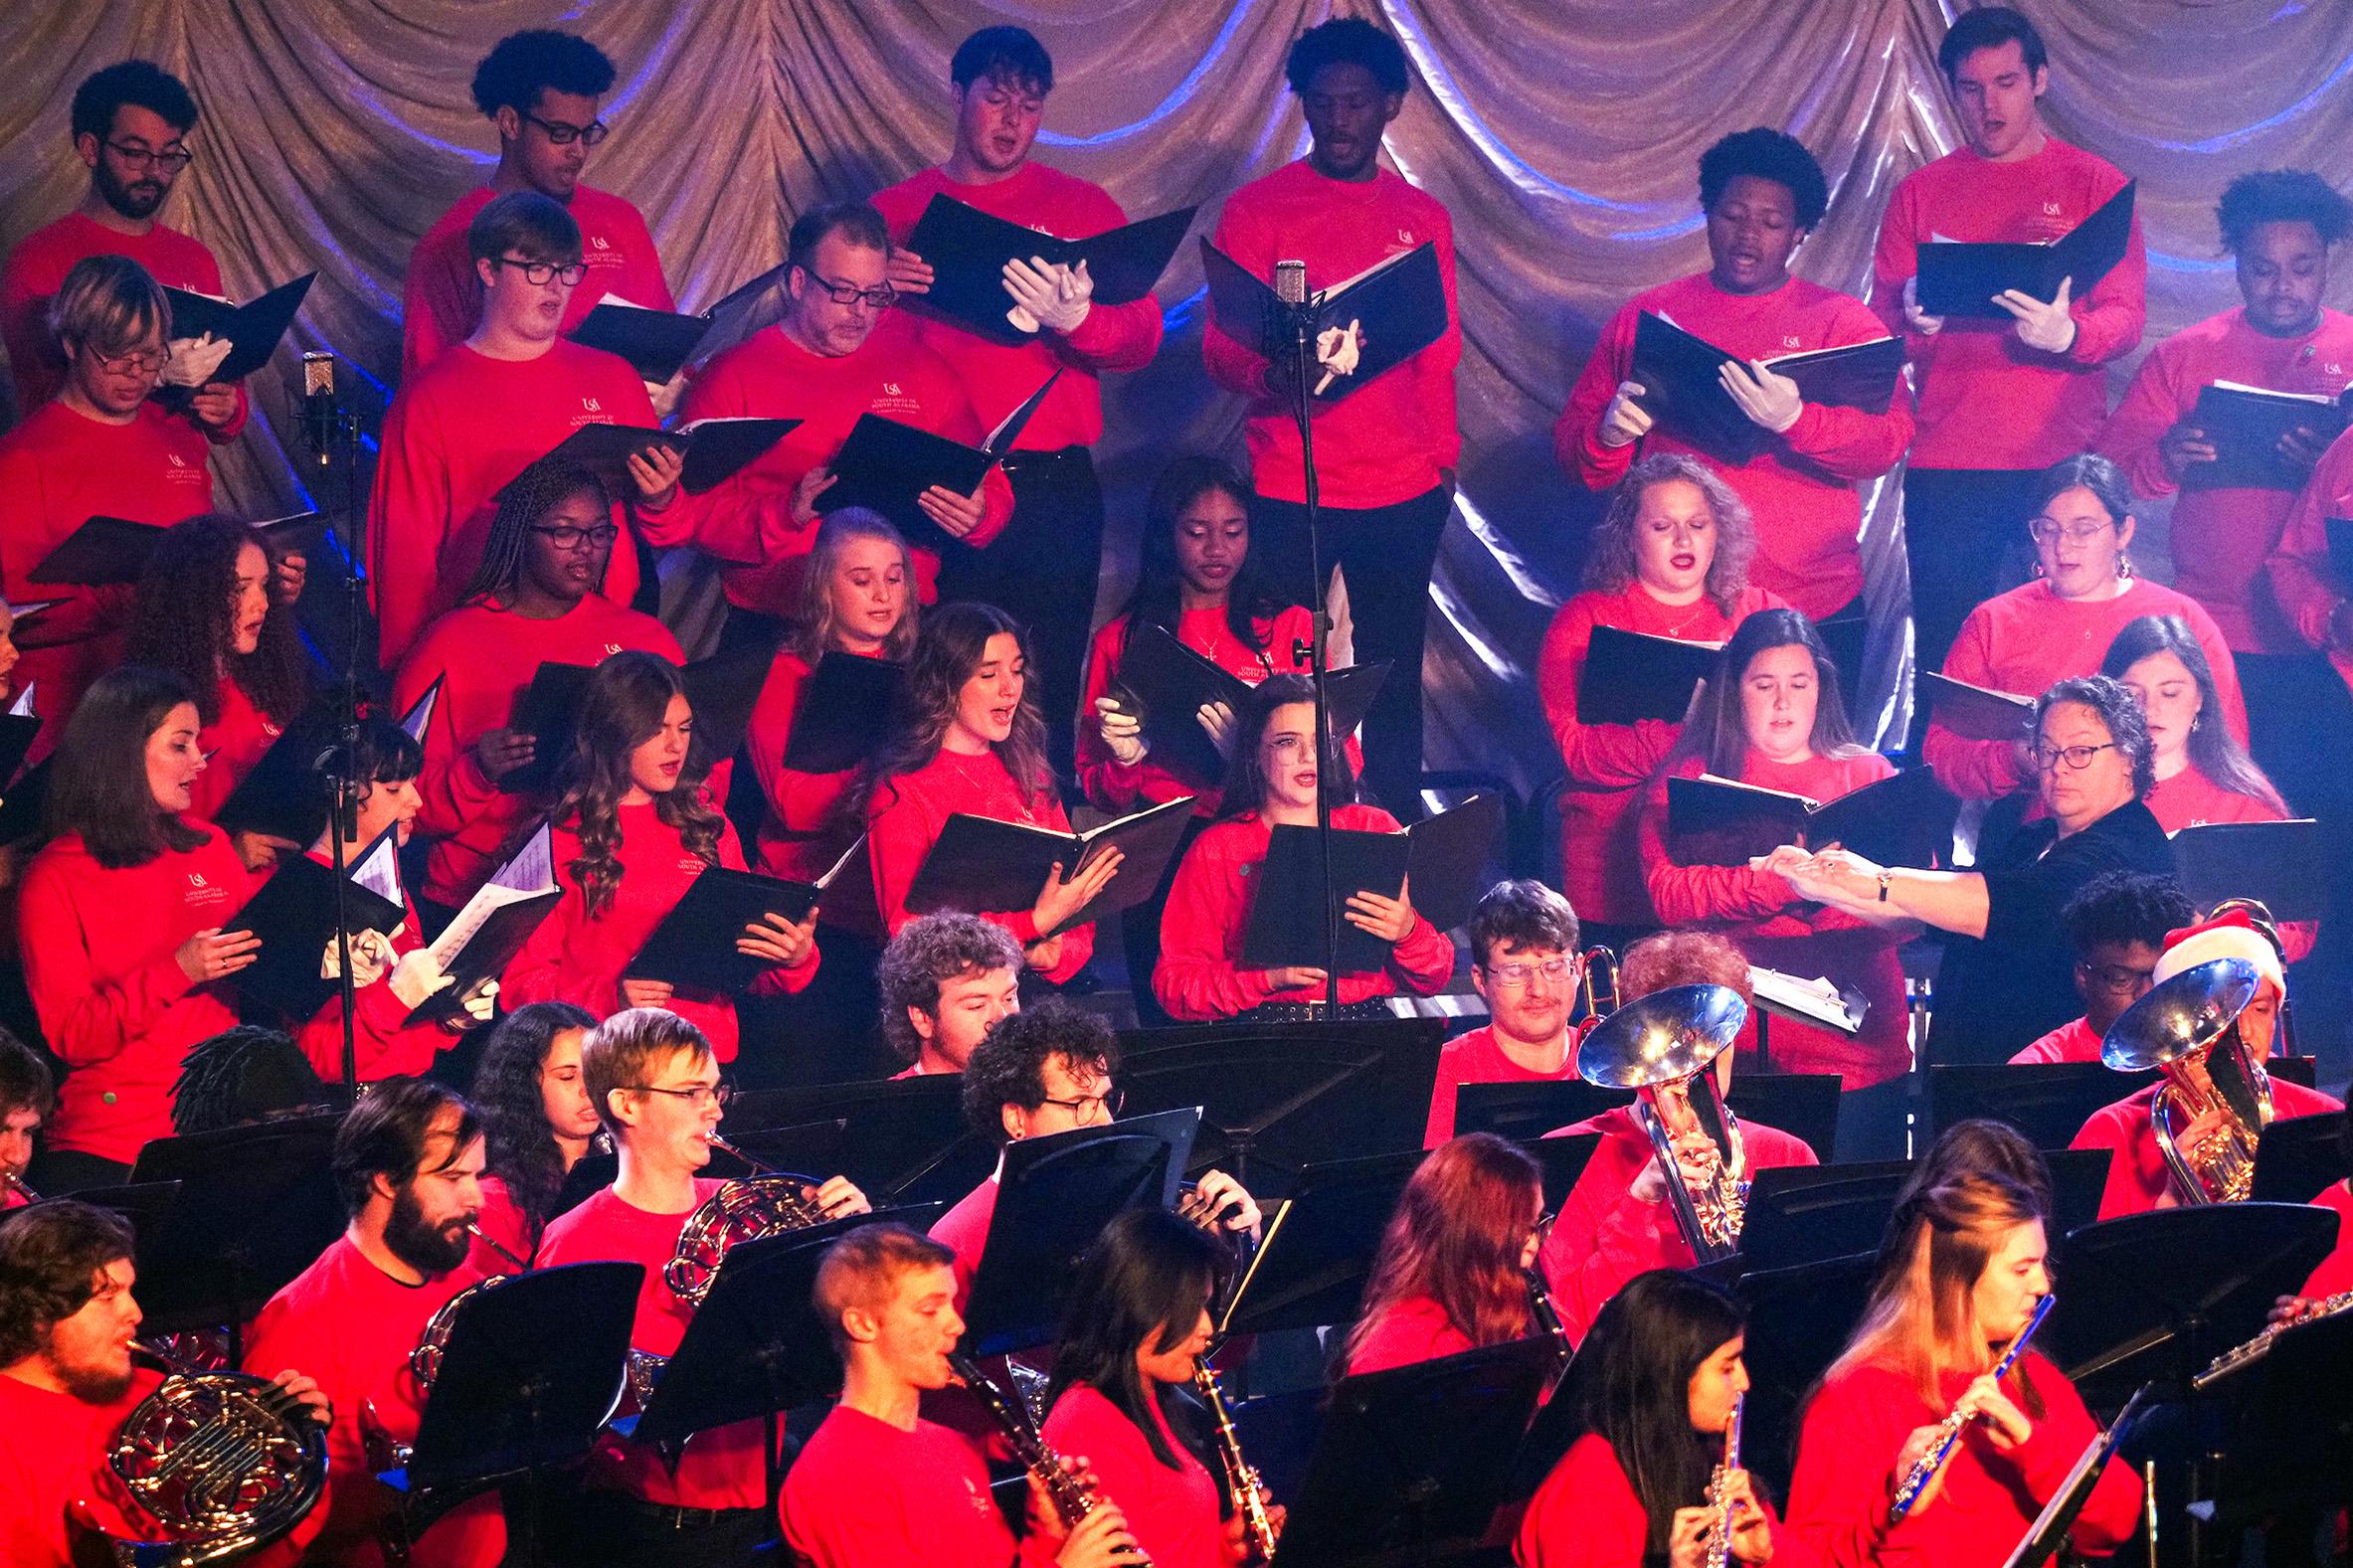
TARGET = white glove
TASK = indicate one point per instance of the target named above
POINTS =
(371, 956)
(1122, 731)
(1337, 350)
(1048, 294)
(1920, 321)
(1624, 421)
(1768, 398)
(417, 976)
(194, 359)
(2049, 327)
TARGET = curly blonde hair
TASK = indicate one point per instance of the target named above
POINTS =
(1609, 554)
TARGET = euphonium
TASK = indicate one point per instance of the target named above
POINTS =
(767, 1203)
(1663, 1047)
(2187, 1027)
(1720, 1490)
(425, 1362)
(1241, 1477)
(223, 1461)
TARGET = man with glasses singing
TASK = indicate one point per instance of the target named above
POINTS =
(468, 424)
(1526, 967)
(656, 1085)
(839, 352)
(541, 90)
(1046, 1070)
(130, 125)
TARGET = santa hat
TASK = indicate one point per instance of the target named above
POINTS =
(2228, 935)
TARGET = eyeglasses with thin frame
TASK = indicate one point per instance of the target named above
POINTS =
(1084, 1106)
(564, 135)
(1518, 972)
(700, 1096)
(881, 297)
(537, 272)
(138, 155)
(143, 361)
(564, 536)
(2076, 757)
(2045, 531)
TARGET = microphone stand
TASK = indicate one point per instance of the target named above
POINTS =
(1300, 323)
(332, 433)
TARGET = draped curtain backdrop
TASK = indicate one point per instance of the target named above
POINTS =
(1563, 134)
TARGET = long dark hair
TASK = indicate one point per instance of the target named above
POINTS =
(184, 612)
(948, 651)
(528, 497)
(2214, 750)
(1719, 732)
(621, 709)
(1157, 601)
(1146, 1280)
(1630, 1385)
(1245, 769)
(522, 1150)
(1456, 1239)
(98, 781)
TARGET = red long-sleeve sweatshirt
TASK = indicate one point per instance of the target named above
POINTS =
(794, 836)
(1172, 1513)
(2219, 539)
(768, 376)
(1801, 489)
(2335, 1273)
(1202, 974)
(99, 949)
(457, 434)
(905, 817)
(2023, 641)
(1585, 1515)
(232, 745)
(485, 656)
(1414, 1330)
(1986, 400)
(866, 1494)
(53, 1460)
(1476, 1058)
(2303, 581)
(573, 956)
(1855, 1430)
(57, 471)
(1000, 376)
(2072, 1041)
(441, 300)
(1610, 764)
(2138, 1179)
(1393, 438)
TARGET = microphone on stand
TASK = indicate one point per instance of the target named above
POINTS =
(1290, 283)
(322, 410)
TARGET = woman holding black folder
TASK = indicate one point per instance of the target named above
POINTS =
(1773, 717)
(633, 830)
(1271, 781)
(1669, 560)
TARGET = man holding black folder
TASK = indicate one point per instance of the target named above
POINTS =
(2001, 396)
(1043, 568)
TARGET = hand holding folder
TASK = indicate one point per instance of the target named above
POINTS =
(252, 331)
(969, 253)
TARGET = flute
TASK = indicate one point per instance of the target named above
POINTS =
(1948, 1431)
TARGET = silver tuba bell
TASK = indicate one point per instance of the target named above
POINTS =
(1662, 1046)
(2187, 1028)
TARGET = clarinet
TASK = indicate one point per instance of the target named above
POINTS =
(1241, 1477)
(1072, 1501)
(1547, 1322)
(1720, 1490)
(1949, 1431)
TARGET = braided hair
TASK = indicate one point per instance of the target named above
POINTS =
(240, 1076)
(529, 498)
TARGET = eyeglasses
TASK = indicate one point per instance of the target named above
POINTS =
(2117, 979)
(566, 537)
(538, 272)
(1085, 1106)
(880, 298)
(1287, 744)
(2043, 531)
(139, 156)
(146, 362)
(2076, 757)
(700, 1096)
(1516, 974)
(564, 135)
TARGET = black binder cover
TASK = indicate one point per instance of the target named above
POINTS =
(979, 863)
(109, 550)
(2286, 864)
(253, 329)
(1399, 307)
(1677, 373)
(1897, 820)
(1961, 279)
(885, 466)
(1977, 713)
(1630, 676)
(844, 713)
(694, 944)
(1287, 927)
(715, 451)
(484, 937)
(2245, 426)
(285, 796)
(723, 690)
(968, 251)
(1168, 683)
(547, 710)
(294, 913)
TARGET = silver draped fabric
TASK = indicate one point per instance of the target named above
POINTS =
(1563, 134)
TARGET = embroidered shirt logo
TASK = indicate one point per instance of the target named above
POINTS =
(590, 406)
(1405, 237)
(2052, 209)
(1788, 340)
(600, 242)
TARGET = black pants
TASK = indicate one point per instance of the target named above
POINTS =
(1042, 571)
(1388, 554)
(624, 1533)
(1964, 539)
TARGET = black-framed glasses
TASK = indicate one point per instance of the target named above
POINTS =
(2076, 757)
(564, 536)
(564, 135)
(700, 1096)
(141, 156)
(881, 297)
(538, 272)
(2117, 979)
(1084, 1106)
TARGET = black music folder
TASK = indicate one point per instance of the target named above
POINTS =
(1978, 712)
(24, 809)
(1167, 684)
(285, 796)
(713, 450)
(1447, 854)
(2246, 424)
(843, 714)
(723, 690)
(20, 726)
(109, 550)
(547, 710)
(1961, 279)
(2340, 549)
(1897, 820)
(253, 329)
(294, 913)
(660, 343)
(1630, 676)
(483, 937)
(694, 944)
(968, 249)
(2286, 864)
(1398, 305)
(979, 863)
(419, 718)
(1678, 370)
(885, 466)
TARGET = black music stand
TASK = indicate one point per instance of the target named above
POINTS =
(1412, 1463)
(1563, 1159)
(2290, 1428)
(2059, 1515)
(1798, 1322)
(512, 1399)
(256, 1206)
(1317, 1250)
(2047, 1101)
(2129, 1313)
(145, 1208)
(907, 1136)
(1276, 1101)
(1054, 1196)
(1801, 1215)
(2295, 1160)
(1803, 1104)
